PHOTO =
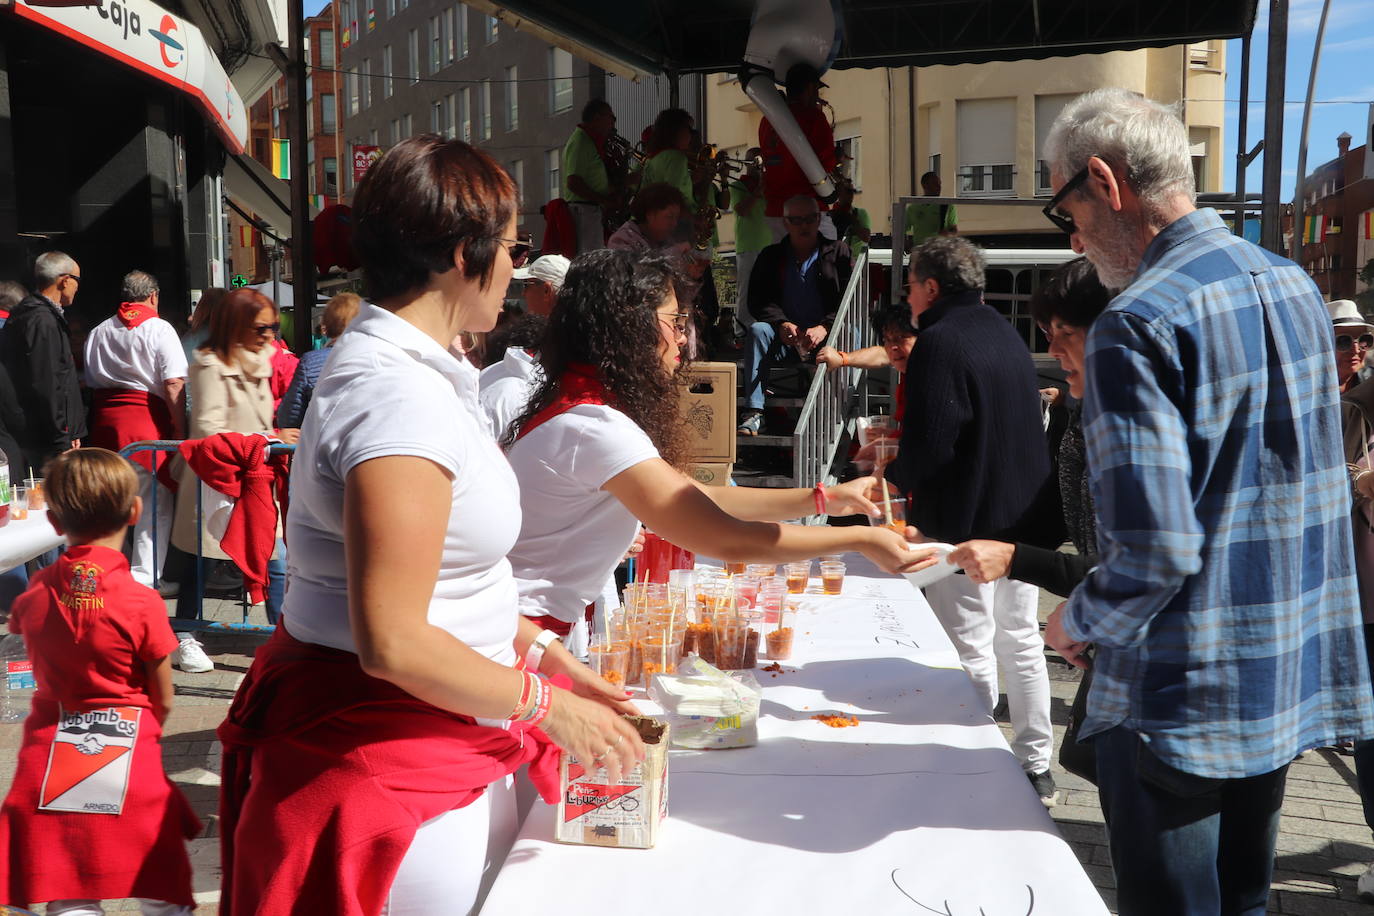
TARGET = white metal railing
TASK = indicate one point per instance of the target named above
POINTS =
(832, 403)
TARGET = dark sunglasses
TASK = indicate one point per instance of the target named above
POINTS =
(76, 277)
(803, 220)
(1063, 221)
(1347, 341)
(265, 328)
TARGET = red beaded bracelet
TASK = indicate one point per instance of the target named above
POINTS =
(821, 502)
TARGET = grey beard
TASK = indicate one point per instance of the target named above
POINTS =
(1114, 255)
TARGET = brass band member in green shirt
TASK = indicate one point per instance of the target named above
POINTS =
(586, 185)
(926, 220)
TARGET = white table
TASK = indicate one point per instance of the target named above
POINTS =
(23, 539)
(920, 805)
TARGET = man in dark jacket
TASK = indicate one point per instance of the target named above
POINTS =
(973, 459)
(794, 292)
(35, 346)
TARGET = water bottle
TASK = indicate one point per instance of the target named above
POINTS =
(16, 679)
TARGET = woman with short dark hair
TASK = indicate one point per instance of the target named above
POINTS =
(384, 720)
(654, 217)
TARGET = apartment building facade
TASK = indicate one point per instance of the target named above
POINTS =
(1336, 241)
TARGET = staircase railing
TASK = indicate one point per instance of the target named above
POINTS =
(834, 399)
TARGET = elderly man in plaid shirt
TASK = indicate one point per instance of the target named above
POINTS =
(1224, 610)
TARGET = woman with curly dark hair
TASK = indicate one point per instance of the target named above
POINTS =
(600, 448)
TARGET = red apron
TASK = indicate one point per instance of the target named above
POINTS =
(120, 416)
(56, 855)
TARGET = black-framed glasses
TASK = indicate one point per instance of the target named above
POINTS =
(518, 249)
(679, 322)
(76, 277)
(267, 328)
(803, 220)
(1063, 220)
(1349, 341)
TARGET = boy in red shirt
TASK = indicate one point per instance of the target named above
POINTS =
(91, 814)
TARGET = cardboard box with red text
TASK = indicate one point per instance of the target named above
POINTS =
(596, 812)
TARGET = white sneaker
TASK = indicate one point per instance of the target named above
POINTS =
(190, 656)
(1365, 886)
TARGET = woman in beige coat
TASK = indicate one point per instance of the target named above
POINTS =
(230, 389)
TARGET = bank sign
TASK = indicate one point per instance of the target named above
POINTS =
(142, 35)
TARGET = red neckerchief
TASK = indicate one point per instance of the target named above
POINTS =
(133, 314)
(599, 141)
(580, 384)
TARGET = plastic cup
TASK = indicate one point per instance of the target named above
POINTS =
(898, 509)
(19, 503)
(761, 570)
(609, 659)
(735, 569)
(832, 577)
(746, 592)
(38, 500)
(731, 643)
(798, 575)
(878, 426)
(772, 594)
(778, 637)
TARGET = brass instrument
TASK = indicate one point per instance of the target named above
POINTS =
(715, 169)
(618, 155)
(624, 162)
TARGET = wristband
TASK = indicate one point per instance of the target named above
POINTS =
(527, 688)
(821, 501)
(844, 358)
(541, 711)
(534, 655)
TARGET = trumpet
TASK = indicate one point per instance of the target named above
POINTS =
(619, 153)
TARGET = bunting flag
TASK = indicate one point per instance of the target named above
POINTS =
(1314, 229)
(281, 159)
(371, 19)
(347, 37)
(1367, 224)
(248, 236)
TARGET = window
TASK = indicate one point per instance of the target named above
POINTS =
(986, 147)
(560, 84)
(554, 183)
(934, 165)
(1203, 56)
(405, 3)
(512, 98)
(413, 47)
(386, 72)
(329, 116)
(390, 8)
(1047, 108)
(395, 131)
(1200, 148)
(309, 87)
(365, 83)
(486, 110)
(436, 116)
(326, 44)
(436, 44)
(489, 29)
(450, 108)
(450, 36)
(372, 137)
(462, 25)
(851, 161)
(465, 115)
(407, 126)
(331, 177)
(352, 81)
(517, 175)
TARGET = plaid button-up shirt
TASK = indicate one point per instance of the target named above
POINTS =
(1224, 606)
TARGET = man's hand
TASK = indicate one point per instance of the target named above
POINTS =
(1059, 641)
(636, 546)
(788, 331)
(812, 337)
(984, 561)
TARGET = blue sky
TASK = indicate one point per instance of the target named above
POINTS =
(1345, 84)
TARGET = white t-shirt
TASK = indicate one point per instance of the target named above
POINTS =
(573, 532)
(389, 389)
(137, 359)
(506, 388)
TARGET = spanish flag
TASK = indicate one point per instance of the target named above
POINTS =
(281, 159)
(1367, 224)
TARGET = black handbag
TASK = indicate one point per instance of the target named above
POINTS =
(1079, 758)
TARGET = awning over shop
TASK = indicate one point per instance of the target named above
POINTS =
(685, 36)
(142, 35)
(249, 183)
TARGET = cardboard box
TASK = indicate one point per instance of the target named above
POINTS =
(593, 812)
(708, 410)
(713, 475)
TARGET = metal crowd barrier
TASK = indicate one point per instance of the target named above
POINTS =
(198, 622)
(836, 396)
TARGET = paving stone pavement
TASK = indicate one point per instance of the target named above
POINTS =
(1323, 844)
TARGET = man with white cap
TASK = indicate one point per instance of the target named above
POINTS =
(1354, 336)
(505, 386)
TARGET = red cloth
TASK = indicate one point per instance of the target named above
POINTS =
(90, 628)
(133, 314)
(332, 239)
(581, 384)
(233, 464)
(120, 416)
(344, 767)
(560, 232)
(549, 622)
(284, 364)
(782, 177)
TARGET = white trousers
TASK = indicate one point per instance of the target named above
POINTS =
(454, 858)
(992, 625)
(587, 222)
(778, 226)
(150, 529)
(93, 908)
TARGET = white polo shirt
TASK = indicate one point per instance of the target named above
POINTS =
(389, 389)
(137, 359)
(573, 533)
(506, 388)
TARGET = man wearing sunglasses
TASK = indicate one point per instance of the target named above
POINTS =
(36, 348)
(1224, 609)
(795, 289)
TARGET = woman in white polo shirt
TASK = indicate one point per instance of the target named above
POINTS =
(381, 723)
(599, 448)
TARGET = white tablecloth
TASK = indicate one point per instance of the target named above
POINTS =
(22, 540)
(920, 805)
